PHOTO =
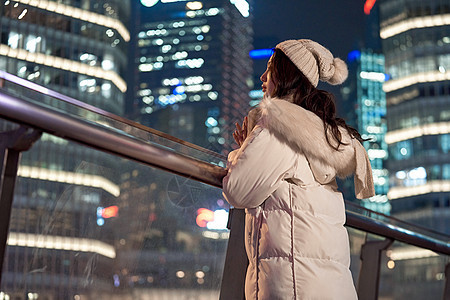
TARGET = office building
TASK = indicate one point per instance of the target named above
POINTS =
(416, 44)
(57, 246)
(191, 72)
(364, 107)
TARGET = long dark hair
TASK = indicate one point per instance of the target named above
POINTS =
(289, 81)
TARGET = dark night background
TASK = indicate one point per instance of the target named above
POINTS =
(337, 25)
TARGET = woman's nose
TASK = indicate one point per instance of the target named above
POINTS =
(263, 77)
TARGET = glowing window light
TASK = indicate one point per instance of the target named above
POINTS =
(149, 3)
(391, 264)
(80, 14)
(417, 131)
(193, 80)
(195, 5)
(22, 14)
(434, 186)
(194, 63)
(180, 274)
(256, 94)
(69, 177)
(60, 243)
(376, 153)
(4, 296)
(212, 12)
(375, 76)
(13, 40)
(431, 76)
(409, 252)
(211, 234)
(66, 64)
(414, 23)
(242, 6)
(145, 67)
(213, 95)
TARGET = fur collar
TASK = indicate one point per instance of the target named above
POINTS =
(303, 131)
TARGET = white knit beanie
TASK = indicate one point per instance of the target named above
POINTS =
(315, 61)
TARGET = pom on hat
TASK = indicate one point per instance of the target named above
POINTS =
(340, 72)
(315, 61)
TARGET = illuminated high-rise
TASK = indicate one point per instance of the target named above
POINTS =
(365, 109)
(77, 48)
(192, 71)
(416, 44)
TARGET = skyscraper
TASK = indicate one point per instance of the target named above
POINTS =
(365, 109)
(192, 72)
(416, 44)
(78, 49)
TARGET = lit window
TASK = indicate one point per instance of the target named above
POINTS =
(166, 48)
(13, 40)
(212, 11)
(213, 95)
(194, 5)
(205, 28)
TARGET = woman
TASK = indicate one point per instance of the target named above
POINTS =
(284, 175)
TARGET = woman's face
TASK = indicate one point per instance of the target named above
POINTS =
(268, 85)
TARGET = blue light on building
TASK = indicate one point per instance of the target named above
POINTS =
(261, 53)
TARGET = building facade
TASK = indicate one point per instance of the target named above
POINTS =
(192, 71)
(416, 44)
(364, 107)
(57, 247)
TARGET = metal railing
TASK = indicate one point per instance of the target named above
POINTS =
(35, 118)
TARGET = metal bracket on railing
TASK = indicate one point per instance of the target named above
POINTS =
(369, 275)
(12, 143)
(447, 282)
(236, 260)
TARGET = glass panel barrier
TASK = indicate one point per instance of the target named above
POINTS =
(357, 239)
(411, 273)
(39, 95)
(89, 225)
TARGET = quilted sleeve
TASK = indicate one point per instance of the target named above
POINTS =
(257, 169)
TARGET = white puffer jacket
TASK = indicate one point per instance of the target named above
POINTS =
(284, 176)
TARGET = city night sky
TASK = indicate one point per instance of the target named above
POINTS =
(336, 24)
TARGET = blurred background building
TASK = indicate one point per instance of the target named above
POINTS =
(77, 48)
(183, 67)
(416, 44)
(364, 107)
(190, 68)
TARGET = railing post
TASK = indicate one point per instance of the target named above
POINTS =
(12, 143)
(236, 260)
(369, 275)
(447, 282)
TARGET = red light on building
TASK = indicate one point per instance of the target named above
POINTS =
(110, 211)
(368, 6)
(204, 216)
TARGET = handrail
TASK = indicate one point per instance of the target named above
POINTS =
(107, 140)
(104, 139)
(53, 94)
